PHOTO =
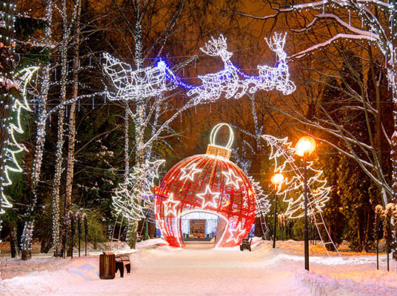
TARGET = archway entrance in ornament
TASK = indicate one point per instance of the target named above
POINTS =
(203, 229)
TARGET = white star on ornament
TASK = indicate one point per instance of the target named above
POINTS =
(215, 198)
(232, 178)
(236, 234)
(170, 205)
(191, 173)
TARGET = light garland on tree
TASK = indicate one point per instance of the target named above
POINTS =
(128, 199)
(7, 44)
(282, 154)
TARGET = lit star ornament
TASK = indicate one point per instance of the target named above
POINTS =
(236, 234)
(214, 199)
(170, 205)
(232, 178)
(189, 172)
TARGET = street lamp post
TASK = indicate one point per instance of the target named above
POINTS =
(277, 180)
(304, 148)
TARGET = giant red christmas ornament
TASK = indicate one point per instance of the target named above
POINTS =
(207, 183)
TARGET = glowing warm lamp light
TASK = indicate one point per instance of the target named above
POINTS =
(277, 179)
(305, 146)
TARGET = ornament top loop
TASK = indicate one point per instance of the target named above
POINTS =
(215, 131)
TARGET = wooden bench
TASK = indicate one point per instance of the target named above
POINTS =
(121, 261)
(246, 244)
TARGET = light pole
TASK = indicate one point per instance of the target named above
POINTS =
(277, 180)
(304, 148)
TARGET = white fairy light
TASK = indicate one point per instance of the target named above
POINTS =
(137, 84)
(132, 199)
(225, 82)
(283, 155)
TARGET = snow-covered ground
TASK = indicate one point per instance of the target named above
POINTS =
(158, 269)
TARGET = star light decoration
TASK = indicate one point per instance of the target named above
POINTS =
(132, 199)
(214, 198)
(189, 172)
(236, 234)
(23, 77)
(283, 156)
(232, 178)
(170, 205)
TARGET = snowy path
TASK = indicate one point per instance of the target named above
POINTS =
(196, 271)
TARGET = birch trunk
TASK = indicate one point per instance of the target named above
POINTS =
(60, 142)
(72, 119)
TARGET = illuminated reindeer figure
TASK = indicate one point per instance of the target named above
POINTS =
(226, 81)
(277, 77)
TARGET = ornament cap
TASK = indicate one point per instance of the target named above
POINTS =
(217, 150)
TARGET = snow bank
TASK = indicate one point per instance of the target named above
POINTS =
(369, 283)
(158, 269)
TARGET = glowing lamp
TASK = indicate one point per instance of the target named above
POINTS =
(305, 146)
(277, 179)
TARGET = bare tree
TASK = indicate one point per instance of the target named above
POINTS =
(363, 23)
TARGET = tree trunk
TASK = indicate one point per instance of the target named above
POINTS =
(13, 240)
(132, 234)
(41, 125)
(72, 119)
(60, 142)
